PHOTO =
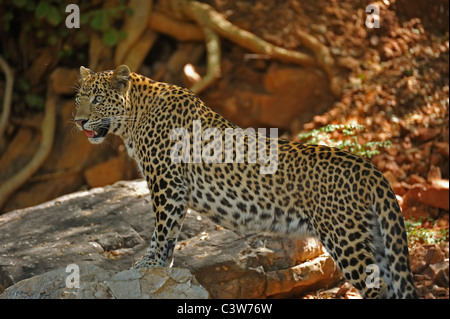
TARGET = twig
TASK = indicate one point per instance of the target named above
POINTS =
(7, 98)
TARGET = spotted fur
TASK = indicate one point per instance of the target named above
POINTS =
(339, 197)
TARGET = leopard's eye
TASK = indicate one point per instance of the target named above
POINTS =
(98, 99)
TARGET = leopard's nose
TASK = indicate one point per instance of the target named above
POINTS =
(80, 122)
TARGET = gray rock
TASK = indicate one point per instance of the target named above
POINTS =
(111, 228)
(96, 283)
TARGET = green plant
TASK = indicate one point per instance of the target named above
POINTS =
(29, 26)
(418, 233)
(47, 18)
(348, 139)
(103, 20)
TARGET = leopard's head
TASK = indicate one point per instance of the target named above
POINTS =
(102, 101)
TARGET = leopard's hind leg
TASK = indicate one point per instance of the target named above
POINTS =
(354, 246)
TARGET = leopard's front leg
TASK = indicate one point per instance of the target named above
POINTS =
(169, 207)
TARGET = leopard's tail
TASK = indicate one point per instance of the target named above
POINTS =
(391, 248)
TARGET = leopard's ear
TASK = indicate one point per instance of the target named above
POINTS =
(120, 78)
(85, 73)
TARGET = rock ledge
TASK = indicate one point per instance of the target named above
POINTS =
(96, 283)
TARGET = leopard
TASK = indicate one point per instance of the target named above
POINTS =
(293, 189)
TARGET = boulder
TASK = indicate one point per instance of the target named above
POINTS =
(230, 266)
(92, 282)
(293, 92)
(285, 97)
(430, 195)
(425, 195)
(110, 228)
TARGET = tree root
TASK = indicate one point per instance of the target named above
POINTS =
(204, 15)
(324, 60)
(213, 61)
(209, 25)
(48, 130)
(134, 26)
(186, 53)
(137, 53)
(179, 30)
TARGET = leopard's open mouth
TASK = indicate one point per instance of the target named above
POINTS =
(98, 134)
